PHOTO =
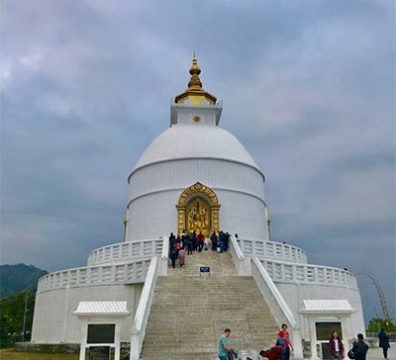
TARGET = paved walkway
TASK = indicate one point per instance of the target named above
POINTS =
(376, 353)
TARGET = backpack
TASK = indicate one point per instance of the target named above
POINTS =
(351, 354)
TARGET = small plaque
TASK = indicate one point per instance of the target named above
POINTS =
(204, 269)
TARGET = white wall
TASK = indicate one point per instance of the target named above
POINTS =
(154, 191)
(53, 320)
(155, 215)
(179, 174)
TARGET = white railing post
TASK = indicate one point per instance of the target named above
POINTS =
(163, 267)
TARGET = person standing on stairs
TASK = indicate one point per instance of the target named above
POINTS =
(284, 334)
(173, 256)
(189, 245)
(194, 240)
(220, 246)
(172, 240)
(201, 241)
(224, 347)
(226, 240)
(185, 237)
(213, 239)
(181, 256)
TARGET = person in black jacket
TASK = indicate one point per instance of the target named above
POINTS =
(360, 348)
(213, 239)
(173, 256)
(384, 342)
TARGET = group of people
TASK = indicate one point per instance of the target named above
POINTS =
(220, 243)
(190, 242)
(226, 352)
(283, 346)
(359, 348)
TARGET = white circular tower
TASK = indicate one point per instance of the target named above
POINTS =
(196, 176)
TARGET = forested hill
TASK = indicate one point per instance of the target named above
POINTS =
(14, 278)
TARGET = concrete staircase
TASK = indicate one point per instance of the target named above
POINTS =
(190, 312)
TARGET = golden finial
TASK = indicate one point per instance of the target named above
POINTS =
(195, 81)
(195, 93)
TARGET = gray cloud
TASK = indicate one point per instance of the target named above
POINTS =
(308, 87)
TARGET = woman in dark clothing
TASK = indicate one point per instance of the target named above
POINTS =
(172, 239)
(194, 240)
(189, 245)
(335, 346)
(213, 239)
(384, 342)
(173, 256)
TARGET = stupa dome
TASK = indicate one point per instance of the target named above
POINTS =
(190, 141)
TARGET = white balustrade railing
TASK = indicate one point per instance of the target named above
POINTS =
(126, 273)
(145, 248)
(143, 310)
(309, 274)
(279, 307)
(265, 249)
(272, 294)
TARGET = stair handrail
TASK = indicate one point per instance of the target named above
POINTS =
(143, 310)
(235, 246)
(261, 275)
(242, 263)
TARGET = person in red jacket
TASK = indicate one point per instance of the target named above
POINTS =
(201, 241)
(284, 334)
(336, 347)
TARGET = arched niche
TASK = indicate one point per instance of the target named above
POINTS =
(198, 209)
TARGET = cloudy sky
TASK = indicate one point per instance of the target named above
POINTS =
(308, 87)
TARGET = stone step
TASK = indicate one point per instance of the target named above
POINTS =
(219, 263)
(189, 312)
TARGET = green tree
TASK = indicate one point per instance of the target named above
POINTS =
(376, 324)
(13, 310)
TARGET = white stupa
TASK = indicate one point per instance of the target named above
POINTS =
(196, 149)
(195, 176)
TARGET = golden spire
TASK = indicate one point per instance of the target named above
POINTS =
(195, 81)
(195, 93)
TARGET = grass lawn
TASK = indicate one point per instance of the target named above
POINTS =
(11, 354)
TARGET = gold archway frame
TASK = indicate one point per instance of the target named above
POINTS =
(198, 190)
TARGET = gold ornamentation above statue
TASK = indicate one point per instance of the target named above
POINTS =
(195, 92)
(198, 188)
